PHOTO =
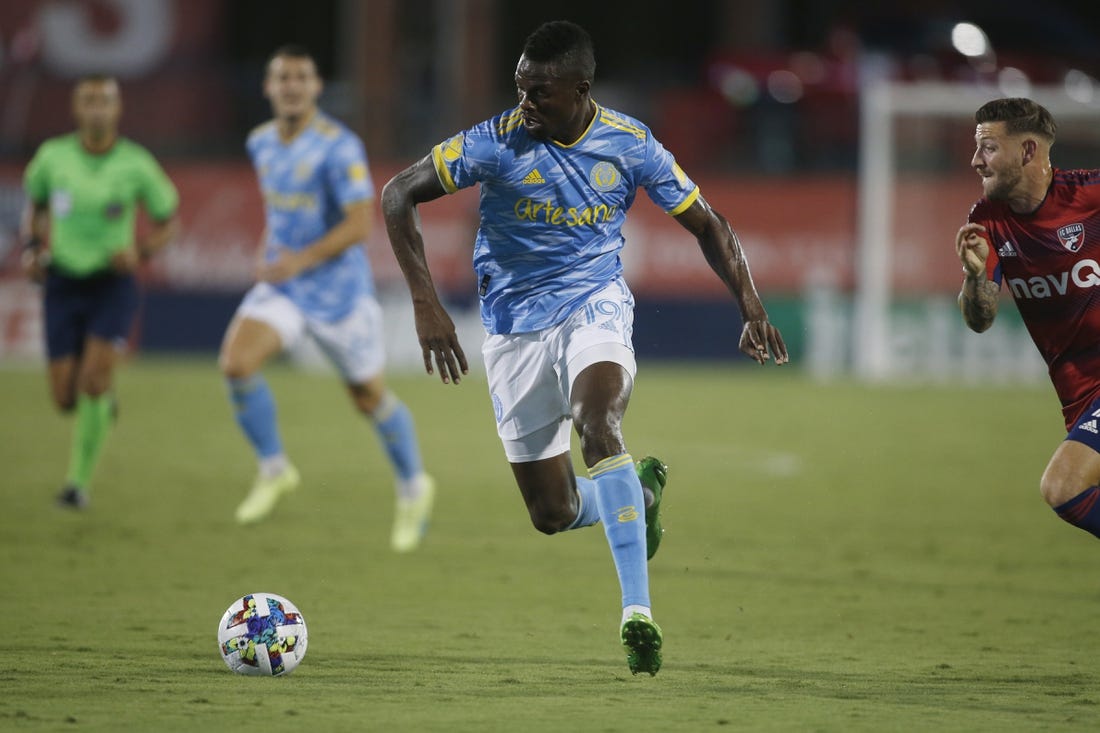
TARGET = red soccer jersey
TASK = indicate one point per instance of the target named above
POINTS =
(1050, 261)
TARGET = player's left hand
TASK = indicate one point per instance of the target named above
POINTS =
(972, 247)
(759, 338)
(288, 264)
(124, 261)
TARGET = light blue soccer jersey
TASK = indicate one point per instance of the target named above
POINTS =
(552, 214)
(306, 184)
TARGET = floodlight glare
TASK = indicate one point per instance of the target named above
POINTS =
(969, 40)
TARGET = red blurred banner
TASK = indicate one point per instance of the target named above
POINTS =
(167, 53)
(796, 233)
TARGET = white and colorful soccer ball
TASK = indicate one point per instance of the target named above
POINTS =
(262, 634)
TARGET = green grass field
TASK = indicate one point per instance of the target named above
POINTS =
(836, 558)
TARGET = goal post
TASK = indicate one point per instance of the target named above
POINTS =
(882, 104)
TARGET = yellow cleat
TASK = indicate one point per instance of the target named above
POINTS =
(410, 520)
(265, 494)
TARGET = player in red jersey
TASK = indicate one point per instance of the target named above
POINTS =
(1037, 229)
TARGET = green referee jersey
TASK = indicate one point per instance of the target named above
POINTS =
(92, 198)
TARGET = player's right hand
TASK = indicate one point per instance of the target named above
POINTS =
(972, 247)
(438, 339)
(35, 262)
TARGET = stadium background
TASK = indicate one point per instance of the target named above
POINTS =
(845, 558)
(758, 101)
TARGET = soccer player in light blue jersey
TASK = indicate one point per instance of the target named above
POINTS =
(558, 173)
(315, 281)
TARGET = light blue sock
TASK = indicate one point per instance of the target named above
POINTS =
(622, 511)
(255, 408)
(394, 423)
(588, 513)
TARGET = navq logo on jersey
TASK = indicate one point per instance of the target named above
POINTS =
(1085, 274)
(1072, 236)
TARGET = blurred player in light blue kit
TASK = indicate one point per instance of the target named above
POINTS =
(315, 281)
(558, 173)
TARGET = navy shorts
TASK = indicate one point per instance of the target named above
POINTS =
(1087, 428)
(101, 305)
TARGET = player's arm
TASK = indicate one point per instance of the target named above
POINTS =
(724, 255)
(979, 295)
(160, 201)
(352, 229)
(36, 229)
(160, 233)
(415, 185)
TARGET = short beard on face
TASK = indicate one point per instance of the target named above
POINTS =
(1004, 186)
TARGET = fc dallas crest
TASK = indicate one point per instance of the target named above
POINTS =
(1072, 236)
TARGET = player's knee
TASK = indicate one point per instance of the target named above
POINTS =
(1057, 489)
(551, 520)
(552, 512)
(65, 403)
(367, 398)
(234, 367)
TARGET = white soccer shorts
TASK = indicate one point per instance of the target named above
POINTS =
(531, 374)
(354, 344)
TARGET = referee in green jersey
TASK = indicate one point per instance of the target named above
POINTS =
(83, 190)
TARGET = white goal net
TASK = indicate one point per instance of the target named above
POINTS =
(915, 190)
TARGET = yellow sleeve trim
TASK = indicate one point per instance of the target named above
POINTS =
(510, 121)
(441, 170)
(686, 203)
(619, 124)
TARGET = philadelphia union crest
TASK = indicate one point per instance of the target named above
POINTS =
(604, 176)
(1072, 236)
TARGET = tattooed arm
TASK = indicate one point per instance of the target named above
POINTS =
(979, 295)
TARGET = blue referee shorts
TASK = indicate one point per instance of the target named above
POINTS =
(102, 305)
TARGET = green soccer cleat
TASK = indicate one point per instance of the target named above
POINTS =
(641, 637)
(265, 494)
(410, 519)
(654, 475)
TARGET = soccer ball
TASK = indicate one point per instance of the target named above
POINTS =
(262, 634)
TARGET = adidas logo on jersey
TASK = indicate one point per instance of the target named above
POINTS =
(1089, 426)
(1007, 250)
(534, 177)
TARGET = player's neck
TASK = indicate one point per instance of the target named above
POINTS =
(97, 143)
(1035, 191)
(290, 127)
(580, 125)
